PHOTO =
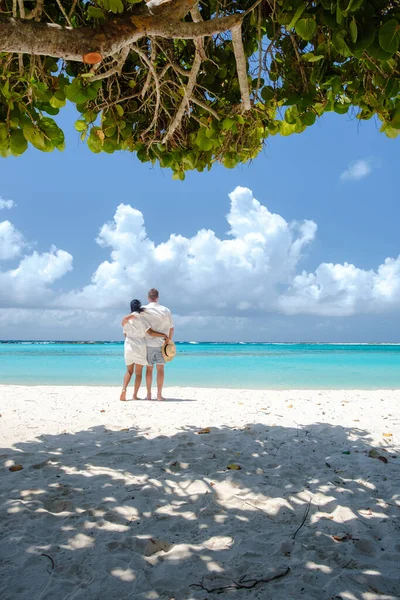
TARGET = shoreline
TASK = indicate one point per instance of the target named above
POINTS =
(91, 342)
(161, 500)
(174, 388)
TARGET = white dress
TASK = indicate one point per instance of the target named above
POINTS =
(135, 345)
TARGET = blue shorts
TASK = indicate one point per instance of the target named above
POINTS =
(154, 356)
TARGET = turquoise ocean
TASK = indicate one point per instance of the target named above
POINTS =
(241, 365)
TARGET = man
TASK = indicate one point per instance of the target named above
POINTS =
(161, 320)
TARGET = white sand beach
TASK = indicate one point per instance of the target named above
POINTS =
(131, 500)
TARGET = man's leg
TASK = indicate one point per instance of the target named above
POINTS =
(127, 378)
(138, 381)
(149, 380)
(160, 381)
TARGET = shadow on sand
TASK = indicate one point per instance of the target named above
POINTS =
(117, 514)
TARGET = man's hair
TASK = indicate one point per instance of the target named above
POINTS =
(153, 294)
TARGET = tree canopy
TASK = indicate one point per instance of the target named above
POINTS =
(187, 83)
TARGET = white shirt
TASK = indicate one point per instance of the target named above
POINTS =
(161, 320)
(135, 344)
(136, 328)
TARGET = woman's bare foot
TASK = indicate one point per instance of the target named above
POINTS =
(160, 398)
(135, 398)
(123, 396)
(149, 397)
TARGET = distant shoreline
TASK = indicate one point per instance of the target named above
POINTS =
(94, 342)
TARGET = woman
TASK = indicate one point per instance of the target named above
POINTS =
(136, 326)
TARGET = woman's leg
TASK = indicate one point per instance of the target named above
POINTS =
(127, 378)
(138, 380)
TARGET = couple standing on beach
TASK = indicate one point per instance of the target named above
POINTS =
(148, 334)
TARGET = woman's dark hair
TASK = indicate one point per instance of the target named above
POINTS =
(136, 306)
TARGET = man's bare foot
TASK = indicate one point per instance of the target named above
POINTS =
(123, 396)
(149, 397)
(135, 398)
(160, 398)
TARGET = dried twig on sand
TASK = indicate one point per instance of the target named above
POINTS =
(51, 560)
(303, 522)
(243, 584)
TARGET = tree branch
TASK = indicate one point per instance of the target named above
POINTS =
(152, 58)
(241, 65)
(301, 65)
(48, 39)
(66, 17)
(197, 18)
(148, 62)
(114, 70)
(206, 107)
(186, 98)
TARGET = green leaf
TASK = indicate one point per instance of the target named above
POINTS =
(18, 143)
(6, 89)
(354, 5)
(341, 108)
(119, 110)
(58, 100)
(389, 36)
(203, 142)
(35, 136)
(353, 30)
(292, 99)
(291, 115)
(81, 125)
(228, 123)
(366, 36)
(395, 118)
(114, 6)
(92, 90)
(389, 131)
(306, 28)
(3, 132)
(376, 51)
(4, 151)
(340, 44)
(74, 92)
(297, 16)
(310, 57)
(94, 144)
(110, 131)
(308, 118)
(230, 160)
(51, 130)
(95, 13)
(286, 129)
(110, 146)
(339, 15)
(267, 93)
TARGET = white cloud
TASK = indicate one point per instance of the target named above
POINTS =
(11, 241)
(357, 170)
(210, 282)
(29, 283)
(344, 290)
(6, 204)
(204, 273)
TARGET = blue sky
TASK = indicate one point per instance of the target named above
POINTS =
(340, 175)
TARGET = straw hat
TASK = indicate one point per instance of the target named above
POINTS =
(168, 351)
